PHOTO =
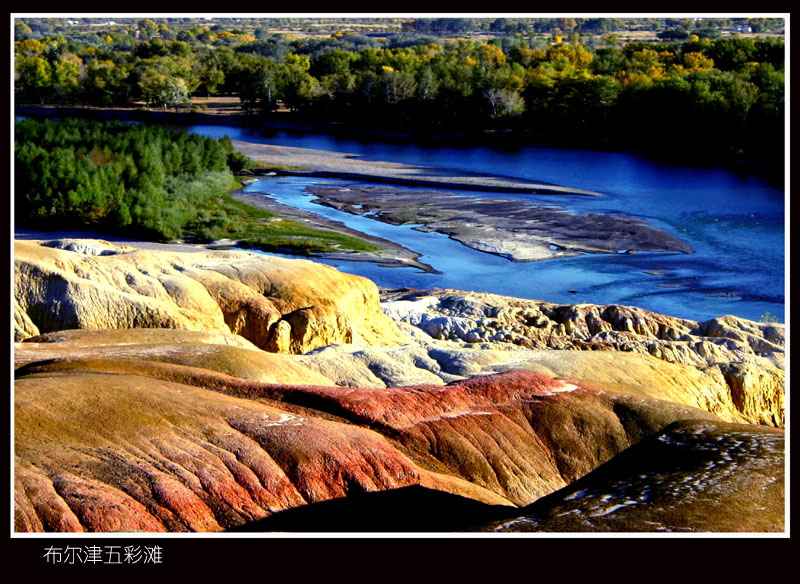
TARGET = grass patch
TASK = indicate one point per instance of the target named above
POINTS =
(255, 228)
(278, 167)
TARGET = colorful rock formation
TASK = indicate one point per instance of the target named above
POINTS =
(103, 444)
(161, 391)
(746, 358)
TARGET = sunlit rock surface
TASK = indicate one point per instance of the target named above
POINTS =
(746, 358)
(289, 306)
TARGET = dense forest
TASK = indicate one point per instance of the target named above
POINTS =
(144, 179)
(689, 95)
(149, 182)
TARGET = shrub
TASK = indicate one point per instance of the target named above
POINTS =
(768, 317)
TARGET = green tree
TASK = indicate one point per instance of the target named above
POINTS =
(427, 83)
(147, 29)
(21, 30)
(66, 73)
(256, 81)
(295, 84)
(397, 85)
(209, 73)
(33, 77)
(335, 62)
(504, 102)
(160, 90)
(104, 82)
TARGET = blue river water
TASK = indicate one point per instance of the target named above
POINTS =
(734, 223)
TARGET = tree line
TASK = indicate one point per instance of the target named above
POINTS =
(145, 180)
(699, 97)
(173, 28)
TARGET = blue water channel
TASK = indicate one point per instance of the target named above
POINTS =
(735, 224)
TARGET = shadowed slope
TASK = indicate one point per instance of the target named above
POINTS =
(691, 477)
(407, 509)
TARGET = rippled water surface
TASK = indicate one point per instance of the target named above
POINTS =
(734, 223)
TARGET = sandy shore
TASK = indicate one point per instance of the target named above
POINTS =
(326, 164)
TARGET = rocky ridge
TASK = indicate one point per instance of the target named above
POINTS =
(748, 356)
(284, 306)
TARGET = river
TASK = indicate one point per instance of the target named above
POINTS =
(734, 223)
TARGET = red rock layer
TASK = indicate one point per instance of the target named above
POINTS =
(163, 447)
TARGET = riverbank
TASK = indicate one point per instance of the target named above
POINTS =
(206, 111)
(389, 254)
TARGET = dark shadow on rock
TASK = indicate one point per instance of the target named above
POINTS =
(407, 509)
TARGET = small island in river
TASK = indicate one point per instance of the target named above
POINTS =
(387, 253)
(515, 229)
(327, 164)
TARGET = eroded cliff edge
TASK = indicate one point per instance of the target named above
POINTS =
(170, 392)
(284, 306)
